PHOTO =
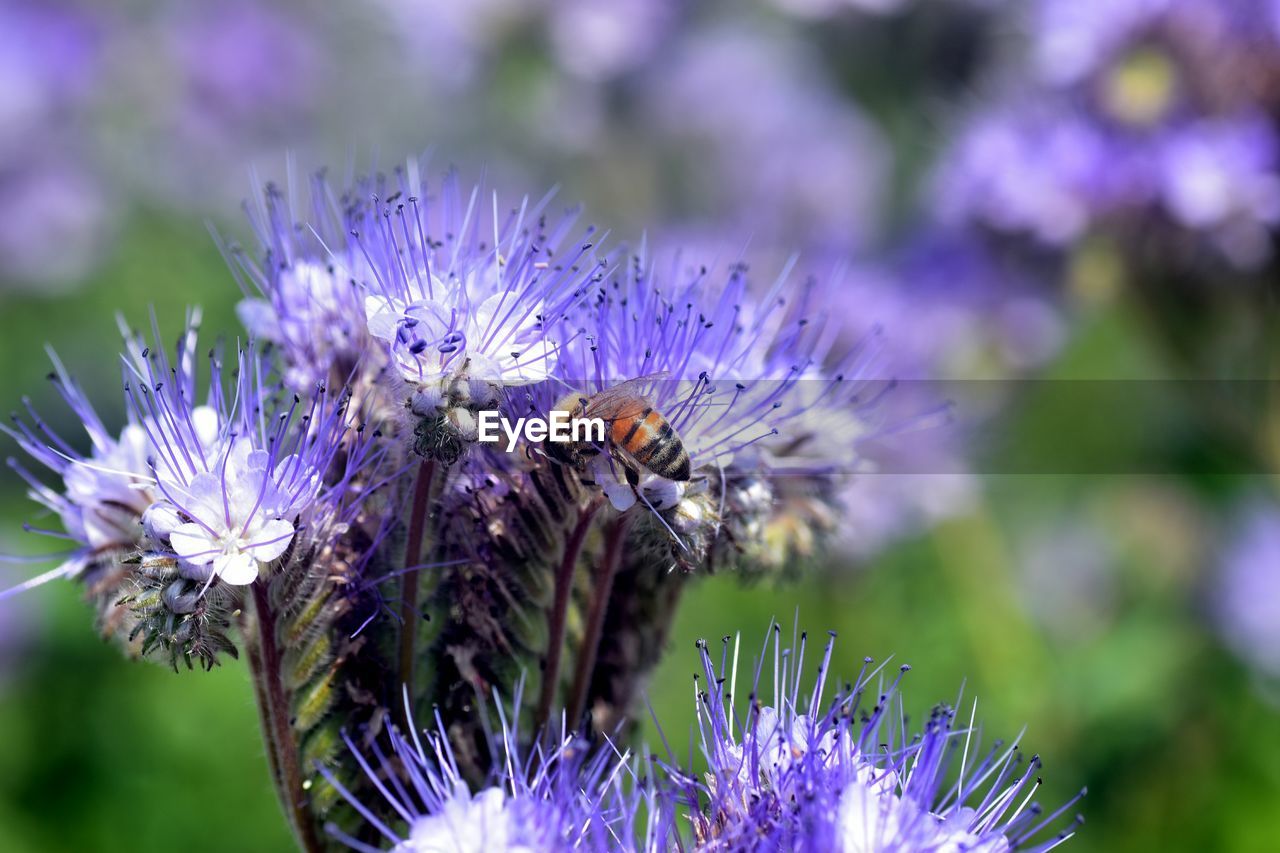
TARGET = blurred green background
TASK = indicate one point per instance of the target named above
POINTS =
(1078, 607)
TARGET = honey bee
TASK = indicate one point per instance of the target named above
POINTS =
(637, 434)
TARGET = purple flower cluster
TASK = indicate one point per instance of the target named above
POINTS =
(211, 486)
(804, 772)
(53, 204)
(1248, 590)
(1125, 118)
(323, 502)
(558, 794)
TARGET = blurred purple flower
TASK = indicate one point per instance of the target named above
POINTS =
(1146, 118)
(1074, 39)
(452, 40)
(600, 39)
(952, 309)
(52, 208)
(1224, 178)
(241, 64)
(777, 151)
(828, 8)
(1043, 169)
(53, 220)
(49, 56)
(1068, 577)
(1247, 598)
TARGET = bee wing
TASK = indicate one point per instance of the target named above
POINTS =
(623, 400)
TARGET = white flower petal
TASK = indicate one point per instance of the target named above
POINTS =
(270, 540)
(192, 543)
(236, 569)
(259, 317)
(382, 316)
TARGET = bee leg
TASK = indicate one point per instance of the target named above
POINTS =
(632, 475)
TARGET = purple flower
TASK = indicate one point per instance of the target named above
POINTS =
(248, 64)
(1247, 598)
(1075, 39)
(773, 148)
(597, 40)
(240, 496)
(209, 476)
(416, 297)
(302, 287)
(560, 794)
(796, 770)
(1223, 177)
(53, 218)
(457, 289)
(106, 491)
(1126, 124)
(1041, 169)
(49, 54)
(747, 383)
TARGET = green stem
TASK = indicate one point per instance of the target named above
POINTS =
(274, 707)
(409, 581)
(615, 535)
(559, 613)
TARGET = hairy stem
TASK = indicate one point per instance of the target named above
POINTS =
(559, 612)
(409, 581)
(273, 702)
(615, 536)
(264, 719)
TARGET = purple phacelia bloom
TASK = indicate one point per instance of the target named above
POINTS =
(1247, 596)
(1223, 177)
(560, 794)
(1043, 170)
(456, 289)
(302, 286)
(49, 54)
(776, 150)
(1127, 123)
(236, 499)
(739, 378)
(220, 479)
(798, 771)
(601, 39)
(1074, 39)
(105, 491)
(430, 294)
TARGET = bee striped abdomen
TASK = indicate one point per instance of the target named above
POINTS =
(653, 443)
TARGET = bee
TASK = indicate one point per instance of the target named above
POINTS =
(637, 434)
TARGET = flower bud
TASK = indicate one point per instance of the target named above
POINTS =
(427, 401)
